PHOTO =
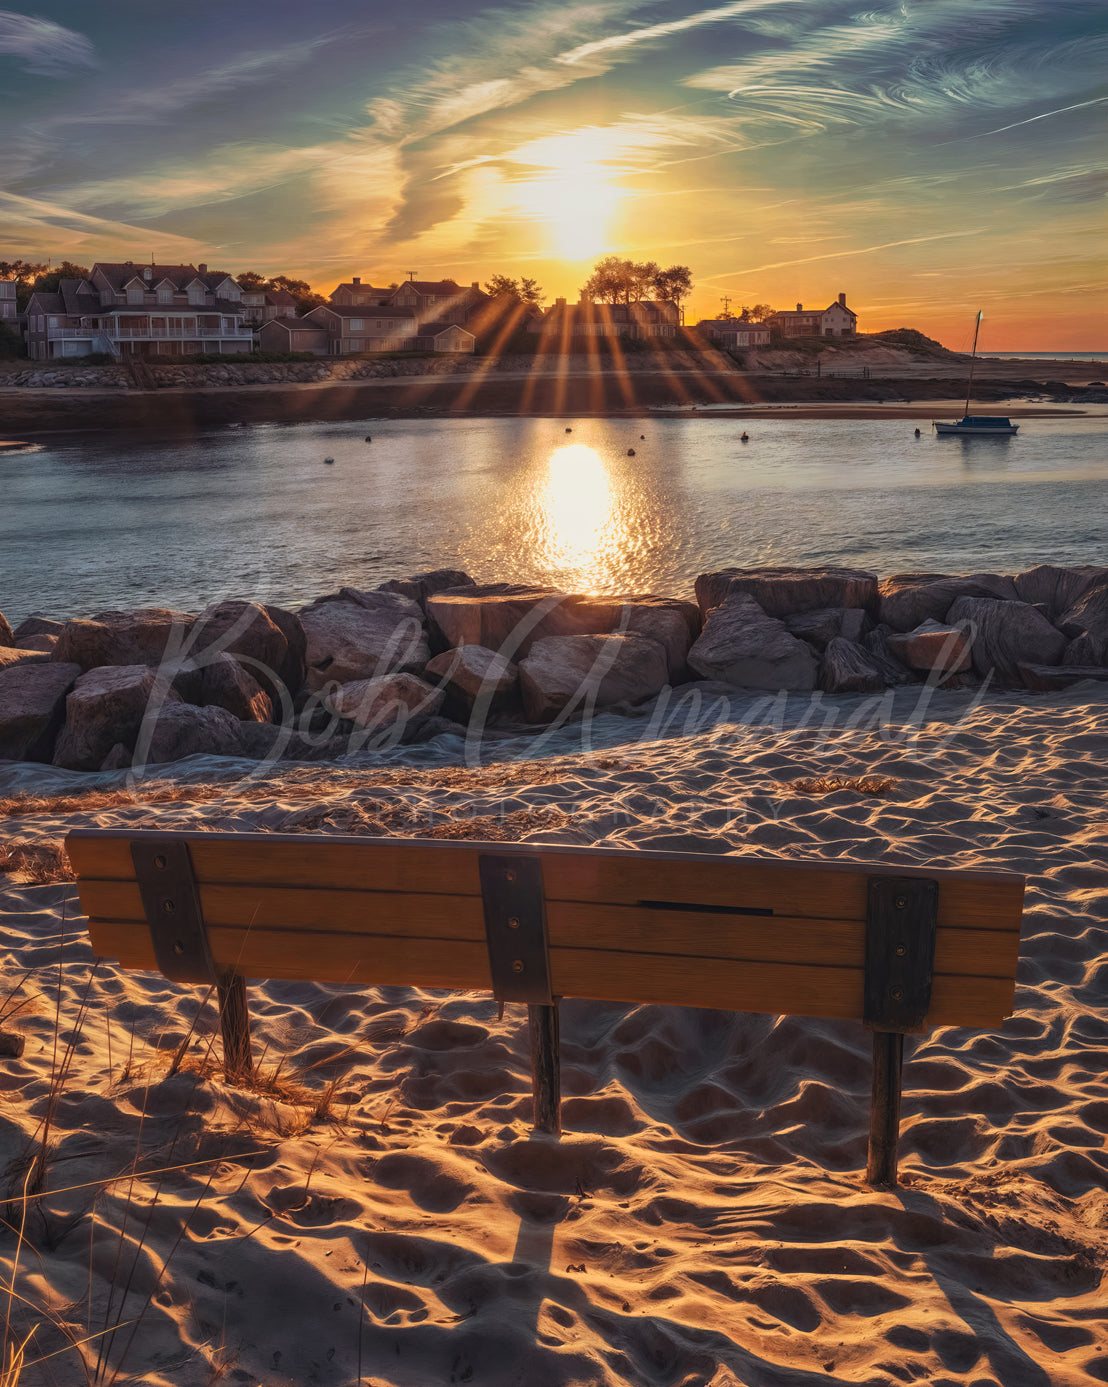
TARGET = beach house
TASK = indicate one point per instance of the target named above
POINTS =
(732, 333)
(836, 320)
(639, 320)
(139, 310)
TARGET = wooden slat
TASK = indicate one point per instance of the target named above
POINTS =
(606, 975)
(984, 953)
(969, 900)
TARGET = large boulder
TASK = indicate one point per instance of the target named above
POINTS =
(243, 630)
(1088, 617)
(7, 635)
(741, 645)
(224, 683)
(13, 655)
(1051, 678)
(823, 625)
(1056, 589)
(106, 708)
(38, 626)
(1005, 634)
(671, 621)
(786, 591)
(420, 586)
(507, 617)
(393, 705)
(846, 668)
(182, 730)
(42, 643)
(362, 637)
(32, 706)
(294, 666)
(909, 599)
(932, 648)
(595, 670)
(141, 637)
(473, 674)
(876, 645)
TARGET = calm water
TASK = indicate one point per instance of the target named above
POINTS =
(254, 512)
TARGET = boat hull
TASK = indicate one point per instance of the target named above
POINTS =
(982, 425)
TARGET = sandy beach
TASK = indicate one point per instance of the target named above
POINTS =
(376, 1209)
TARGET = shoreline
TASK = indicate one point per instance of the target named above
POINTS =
(926, 390)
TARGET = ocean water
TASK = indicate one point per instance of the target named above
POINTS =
(125, 521)
(1048, 356)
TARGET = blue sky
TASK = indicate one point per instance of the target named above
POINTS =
(928, 157)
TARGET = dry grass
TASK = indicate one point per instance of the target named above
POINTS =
(879, 785)
(300, 783)
(34, 864)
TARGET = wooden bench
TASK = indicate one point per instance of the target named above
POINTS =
(897, 949)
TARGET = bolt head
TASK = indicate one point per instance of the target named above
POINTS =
(168, 907)
(517, 965)
(901, 950)
(178, 947)
(901, 902)
(513, 923)
(161, 862)
(896, 993)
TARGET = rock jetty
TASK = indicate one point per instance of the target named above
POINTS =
(437, 652)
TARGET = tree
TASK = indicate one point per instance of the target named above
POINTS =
(674, 284)
(250, 280)
(48, 282)
(24, 272)
(758, 314)
(502, 284)
(530, 292)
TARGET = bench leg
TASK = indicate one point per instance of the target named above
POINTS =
(884, 1122)
(546, 1075)
(234, 1023)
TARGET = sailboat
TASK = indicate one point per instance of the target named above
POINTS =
(997, 425)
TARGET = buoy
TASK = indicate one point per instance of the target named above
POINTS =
(642, 435)
(369, 438)
(744, 438)
(569, 430)
(630, 452)
(328, 459)
(917, 433)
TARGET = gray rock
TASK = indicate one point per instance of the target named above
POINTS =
(876, 645)
(294, 667)
(182, 730)
(909, 599)
(420, 586)
(670, 621)
(243, 630)
(1088, 616)
(932, 648)
(1084, 650)
(141, 637)
(1057, 589)
(598, 670)
(1050, 678)
(107, 706)
(1005, 634)
(32, 706)
(224, 683)
(506, 617)
(38, 626)
(13, 655)
(42, 643)
(786, 591)
(388, 706)
(350, 640)
(846, 668)
(821, 627)
(743, 646)
(473, 673)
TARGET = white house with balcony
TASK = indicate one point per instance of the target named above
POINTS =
(8, 312)
(139, 310)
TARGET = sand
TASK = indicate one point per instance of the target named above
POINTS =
(379, 1210)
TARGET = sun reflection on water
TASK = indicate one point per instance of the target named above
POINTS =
(576, 515)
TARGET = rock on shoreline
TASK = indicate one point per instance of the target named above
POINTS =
(436, 652)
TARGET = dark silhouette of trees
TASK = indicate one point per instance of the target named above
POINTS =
(627, 281)
(524, 290)
(306, 298)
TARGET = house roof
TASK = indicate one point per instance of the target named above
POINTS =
(437, 329)
(362, 288)
(432, 286)
(357, 310)
(180, 276)
(294, 325)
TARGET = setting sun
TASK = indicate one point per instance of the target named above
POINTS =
(570, 191)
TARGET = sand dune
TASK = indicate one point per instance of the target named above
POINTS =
(378, 1209)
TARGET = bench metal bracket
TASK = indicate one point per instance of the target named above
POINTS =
(167, 885)
(515, 928)
(901, 915)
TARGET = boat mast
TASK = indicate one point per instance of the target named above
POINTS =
(973, 358)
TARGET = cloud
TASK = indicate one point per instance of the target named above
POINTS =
(44, 48)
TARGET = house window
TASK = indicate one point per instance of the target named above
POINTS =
(196, 295)
(356, 324)
(135, 295)
(165, 295)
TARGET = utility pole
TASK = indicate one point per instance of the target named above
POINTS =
(411, 275)
(726, 301)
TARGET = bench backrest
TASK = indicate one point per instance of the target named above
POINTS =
(738, 933)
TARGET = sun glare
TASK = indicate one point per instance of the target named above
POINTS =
(570, 191)
(576, 510)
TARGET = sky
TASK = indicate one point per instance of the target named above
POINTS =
(928, 158)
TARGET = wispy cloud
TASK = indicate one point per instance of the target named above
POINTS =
(43, 47)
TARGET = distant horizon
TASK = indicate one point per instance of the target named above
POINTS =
(927, 160)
